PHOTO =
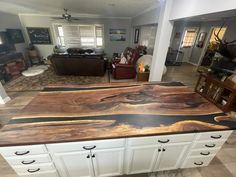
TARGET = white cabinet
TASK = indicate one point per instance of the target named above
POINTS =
(89, 159)
(74, 164)
(171, 156)
(108, 162)
(141, 159)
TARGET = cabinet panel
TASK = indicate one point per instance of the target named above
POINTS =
(141, 159)
(74, 164)
(108, 162)
(41, 174)
(216, 135)
(197, 161)
(171, 156)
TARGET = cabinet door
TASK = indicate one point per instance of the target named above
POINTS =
(74, 164)
(171, 156)
(108, 162)
(141, 159)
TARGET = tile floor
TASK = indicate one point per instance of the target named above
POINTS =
(223, 165)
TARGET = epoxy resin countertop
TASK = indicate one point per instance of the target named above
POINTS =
(104, 111)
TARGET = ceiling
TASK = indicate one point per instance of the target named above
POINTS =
(101, 8)
(231, 14)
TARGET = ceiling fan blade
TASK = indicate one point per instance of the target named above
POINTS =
(74, 18)
(57, 18)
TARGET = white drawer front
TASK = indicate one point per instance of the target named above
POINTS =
(86, 145)
(41, 174)
(208, 144)
(34, 169)
(29, 160)
(197, 161)
(23, 150)
(165, 139)
(216, 135)
(204, 152)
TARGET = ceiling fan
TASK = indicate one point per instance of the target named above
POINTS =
(66, 16)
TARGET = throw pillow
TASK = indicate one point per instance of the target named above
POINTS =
(123, 60)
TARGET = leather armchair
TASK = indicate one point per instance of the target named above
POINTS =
(126, 71)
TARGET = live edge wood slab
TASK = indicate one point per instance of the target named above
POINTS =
(104, 111)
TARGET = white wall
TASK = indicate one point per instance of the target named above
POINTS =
(110, 46)
(12, 22)
(148, 17)
(189, 8)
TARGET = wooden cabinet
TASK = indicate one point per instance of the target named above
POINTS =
(141, 159)
(74, 164)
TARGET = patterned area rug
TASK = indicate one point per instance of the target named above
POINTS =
(37, 83)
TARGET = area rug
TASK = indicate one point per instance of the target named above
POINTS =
(37, 83)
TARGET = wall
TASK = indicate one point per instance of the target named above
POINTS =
(188, 8)
(12, 22)
(110, 46)
(230, 35)
(146, 18)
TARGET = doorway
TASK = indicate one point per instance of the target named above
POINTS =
(188, 41)
(211, 43)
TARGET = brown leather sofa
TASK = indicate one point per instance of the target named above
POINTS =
(81, 65)
(126, 71)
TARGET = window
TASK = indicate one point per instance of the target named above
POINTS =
(216, 30)
(189, 38)
(79, 35)
(1, 40)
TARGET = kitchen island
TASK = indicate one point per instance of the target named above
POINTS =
(122, 128)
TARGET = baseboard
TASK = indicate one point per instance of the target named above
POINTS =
(191, 63)
(5, 100)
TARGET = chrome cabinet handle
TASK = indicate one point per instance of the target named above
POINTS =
(216, 137)
(23, 153)
(163, 141)
(201, 163)
(208, 153)
(210, 146)
(33, 171)
(27, 163)
(89, 148)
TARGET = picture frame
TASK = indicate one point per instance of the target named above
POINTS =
(136, 35)
(201, 39)
(117, 35)
(39, 35)
(15, 36)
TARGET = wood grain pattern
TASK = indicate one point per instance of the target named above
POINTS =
(102, 111)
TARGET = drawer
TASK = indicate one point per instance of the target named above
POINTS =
(216, 135)
(23, 150)
(33, 169)
(52, 173)
(204, 152)
(208, 144)
(28, 160)
(86, 145)
(197, 161)
(152, 140)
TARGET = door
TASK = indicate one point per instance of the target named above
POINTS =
(108, 162)
(74, 164)
(141, 159)
(171, 156)
(188, 41)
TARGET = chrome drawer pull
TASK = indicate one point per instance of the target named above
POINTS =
(208, 153)
(216, 137)
(163, 141)
(195, 163)
(27, 163)
(33, 171)
(23, 153)
(210, 146)
(89, 148)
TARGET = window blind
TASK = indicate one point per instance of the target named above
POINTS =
(72, 36)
